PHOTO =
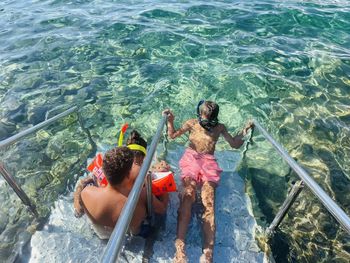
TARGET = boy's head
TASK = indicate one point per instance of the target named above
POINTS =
(136, 139)
(208, 112)
(117, 164)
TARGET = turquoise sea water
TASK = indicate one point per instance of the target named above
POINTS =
(286, 63)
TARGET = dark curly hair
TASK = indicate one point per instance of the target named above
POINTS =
(209, 109)
(117, 163)
(135, 138)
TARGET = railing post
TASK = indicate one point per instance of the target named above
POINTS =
(40, 125)
(18, 190)
(149, 196)
(4, 143)
(331, 206)
(88, 134)
(293, 194)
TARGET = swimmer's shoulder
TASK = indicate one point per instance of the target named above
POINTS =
(88, 194)
(220, 128)
(191, 122)
(88, 190)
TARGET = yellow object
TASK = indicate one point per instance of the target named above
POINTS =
(137, 148)
(121, 135)
(134, 147)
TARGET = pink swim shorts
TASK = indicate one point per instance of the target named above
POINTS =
(200, 167)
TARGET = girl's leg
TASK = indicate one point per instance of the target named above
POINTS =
(208, 199)
(184, 216)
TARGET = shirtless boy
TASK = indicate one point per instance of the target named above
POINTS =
(103, 205)
(134, 139)
(199, 168)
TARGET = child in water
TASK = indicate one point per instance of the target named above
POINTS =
(199, 168)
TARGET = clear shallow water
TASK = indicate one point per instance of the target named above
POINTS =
(286, 64)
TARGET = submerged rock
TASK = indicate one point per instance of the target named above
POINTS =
(11, 103)
(25, 156)
(43, 135)
(17, 115)
(3, 132)
(37, 114)
(35, 180)
(62, 168)
(61, 144)
(3, 221)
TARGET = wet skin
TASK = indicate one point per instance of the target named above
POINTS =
(202, 141)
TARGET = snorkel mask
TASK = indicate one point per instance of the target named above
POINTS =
(207, 124)
(134, 147)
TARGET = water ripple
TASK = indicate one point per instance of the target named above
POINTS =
(285, 63)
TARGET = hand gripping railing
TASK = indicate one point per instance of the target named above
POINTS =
(330, 205)
(115, 242)
(9, 179)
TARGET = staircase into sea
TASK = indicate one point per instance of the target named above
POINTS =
(65, 238)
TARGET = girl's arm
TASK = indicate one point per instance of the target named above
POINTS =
(236, 141)
(160, 203)
(172, 133)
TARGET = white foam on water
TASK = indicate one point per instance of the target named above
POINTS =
(65, 238)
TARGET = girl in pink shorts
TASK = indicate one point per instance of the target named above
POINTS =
(200, 167)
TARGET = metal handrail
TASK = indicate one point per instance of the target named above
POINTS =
(18, 190)
(288, 202)
(30, 130)
(4, 143)
(330, 205)
(116, 240)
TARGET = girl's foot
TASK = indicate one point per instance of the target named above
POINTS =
(207, 256)
(180, 255)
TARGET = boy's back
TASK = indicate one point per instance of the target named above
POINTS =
(103, 205)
